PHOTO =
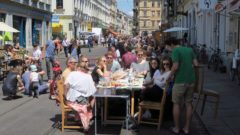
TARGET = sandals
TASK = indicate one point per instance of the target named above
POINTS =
(174, 131)
(184, 132)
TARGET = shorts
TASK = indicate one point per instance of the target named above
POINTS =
(182, 93)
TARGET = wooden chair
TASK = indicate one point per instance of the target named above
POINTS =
(154, 106)
(65, 109)
(212, 93)
(204, 92)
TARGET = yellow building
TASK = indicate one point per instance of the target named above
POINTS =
(147, 15)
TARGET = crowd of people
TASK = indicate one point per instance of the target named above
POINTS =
(159, 65)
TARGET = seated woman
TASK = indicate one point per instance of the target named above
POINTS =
(79, 88)
(100, 71)
(10, 85)
(154, 88)
(154, 64)
(141, 67)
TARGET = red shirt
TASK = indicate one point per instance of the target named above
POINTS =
(128, 58)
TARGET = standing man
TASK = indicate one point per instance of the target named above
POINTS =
(49, 49)
(90, 43)
(184, 61)
(65, 44)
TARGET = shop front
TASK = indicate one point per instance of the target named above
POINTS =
(19, 23)
(37, 32)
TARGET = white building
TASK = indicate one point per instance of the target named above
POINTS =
(31, 17)
(75, 16)
(124, 23)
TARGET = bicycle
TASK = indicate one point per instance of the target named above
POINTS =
(203, 57)
(235, 67)
(215, 60)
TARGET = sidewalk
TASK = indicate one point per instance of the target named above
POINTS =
(228, 120)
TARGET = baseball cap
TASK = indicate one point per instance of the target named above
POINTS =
(33, 68)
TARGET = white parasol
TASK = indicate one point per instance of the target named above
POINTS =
(175, 29)
(5, 27)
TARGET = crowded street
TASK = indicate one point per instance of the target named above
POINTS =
(119, 67)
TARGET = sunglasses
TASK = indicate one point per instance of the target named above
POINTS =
(109, 57)
(85, 61)
(140, 55)
(166, 64)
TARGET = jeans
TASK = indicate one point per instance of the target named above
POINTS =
(65, 50)
(48, 61)
(89, 47)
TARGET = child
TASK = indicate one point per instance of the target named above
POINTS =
(57, 71)
(34, 81)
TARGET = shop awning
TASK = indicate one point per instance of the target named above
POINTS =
(57, 27)
(113, 32)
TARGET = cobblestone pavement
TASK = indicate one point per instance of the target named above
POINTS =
(30, 116)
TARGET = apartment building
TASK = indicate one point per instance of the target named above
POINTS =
(124, 23)
(147, 16)
(75, 16)
(31, 17)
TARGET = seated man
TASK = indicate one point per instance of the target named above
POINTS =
(79, 90)
(112, 64)
(10, 85)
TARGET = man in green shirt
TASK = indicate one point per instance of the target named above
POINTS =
(184, 61)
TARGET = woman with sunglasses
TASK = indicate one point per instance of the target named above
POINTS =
(154, 88)
(153, 67)
(100, 70)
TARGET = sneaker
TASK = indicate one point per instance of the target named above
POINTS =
(53, 97)
(147, 114)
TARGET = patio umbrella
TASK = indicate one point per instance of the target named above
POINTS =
(175, 29)
(5, 27)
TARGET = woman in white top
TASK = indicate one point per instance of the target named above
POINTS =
(154, 88)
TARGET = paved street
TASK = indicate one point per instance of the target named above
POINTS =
(28, 116)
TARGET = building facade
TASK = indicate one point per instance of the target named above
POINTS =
(31, 17)
(124, 23)
(77, 16)
(147, 15)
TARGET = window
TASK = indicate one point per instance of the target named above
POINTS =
(153, 3)
(136, 4)
(145, 4)
(158, 3)
(158, 13)
(153, 13)
(59, 4)
(144, 23)
(153, 23)
(145, 13)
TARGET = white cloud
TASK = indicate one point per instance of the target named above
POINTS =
(130, 13)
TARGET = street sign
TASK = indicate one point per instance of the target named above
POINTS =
(219, 7)
(55, 18)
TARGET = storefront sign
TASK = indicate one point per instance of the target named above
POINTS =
(219, 7)
(55, 18)
(89, 26)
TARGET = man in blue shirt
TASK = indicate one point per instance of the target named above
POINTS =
(49, 50)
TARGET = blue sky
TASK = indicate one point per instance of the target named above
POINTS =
(126, 6)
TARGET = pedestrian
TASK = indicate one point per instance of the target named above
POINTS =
(90, 43)
(184, 77)
(49, 49)
(65, 44)
(34, 81)
(103, 40)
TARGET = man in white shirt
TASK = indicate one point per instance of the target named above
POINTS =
(65, 44)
